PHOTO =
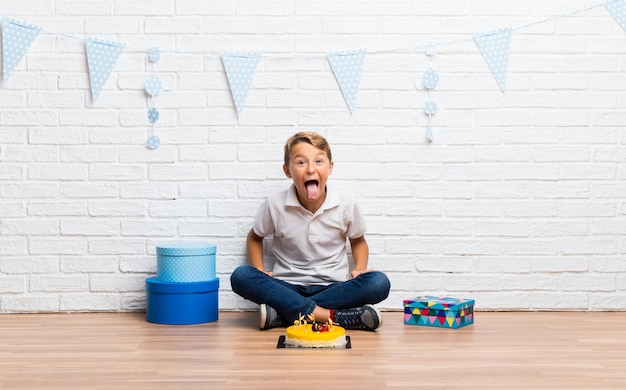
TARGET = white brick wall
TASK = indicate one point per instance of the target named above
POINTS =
(519, 202)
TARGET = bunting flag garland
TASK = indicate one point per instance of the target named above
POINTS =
(101, 59)
(16, 39)
(153, 87)
(430, 80)
(617, 9)
(347, 67)
(240, 68)
(494, 46)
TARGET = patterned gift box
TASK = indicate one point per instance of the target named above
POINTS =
(185, 262)
(443, 312)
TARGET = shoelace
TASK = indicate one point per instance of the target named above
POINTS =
(352, 319)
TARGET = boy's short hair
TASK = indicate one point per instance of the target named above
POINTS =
(309, 137)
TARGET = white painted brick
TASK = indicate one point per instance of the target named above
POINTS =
(148, 228)
(86, 264)
(531, 247)
(559, 300)
(89, 302)
(69, 208)
(30, 154)
(607, 264)
(192, 7)
(557, 264)
(115, 172)
(405, 282)
(215, 189)
(123, 208)
(177, 208)
(117, 283)
(28, 227)
(57, 283)
(159, 190)
(57, 246)
(588, 246)
(30, 303)
(102, 8)
(122, 246)
(89, 227)
(444, 227)
(12, 284)
(12, 209)
(500, 300)
(558, 228)
(473, 283)
(89, 190)
(216, 228)
(473, 247)
(536, 282)
(445, 264)
(607, 301)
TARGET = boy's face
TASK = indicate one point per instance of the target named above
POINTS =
(309, 168)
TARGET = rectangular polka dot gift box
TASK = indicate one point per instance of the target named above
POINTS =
(185, 288)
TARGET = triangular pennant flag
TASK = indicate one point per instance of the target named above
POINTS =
(16, 39)
(240, 68)
(617, 9)
(347, 67)
(494, 47)
(101, 58)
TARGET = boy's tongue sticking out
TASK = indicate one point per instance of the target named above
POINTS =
(312, 189)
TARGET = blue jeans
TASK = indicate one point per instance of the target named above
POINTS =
(291, 300)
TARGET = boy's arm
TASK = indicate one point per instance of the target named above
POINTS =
(360, 255)
(254, 245)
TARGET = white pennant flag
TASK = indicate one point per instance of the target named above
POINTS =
(494, 46)
(101, 59)
(240, 68)
(16, 39)
(617, 9)
(347, 67)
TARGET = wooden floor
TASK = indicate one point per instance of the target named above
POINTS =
(501, 350)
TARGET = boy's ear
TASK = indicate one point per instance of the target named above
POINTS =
(286, 170)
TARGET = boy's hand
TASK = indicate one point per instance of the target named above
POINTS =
(356, 273)
(268, 273)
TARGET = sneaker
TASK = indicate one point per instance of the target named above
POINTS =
(359, 318)
(269, 318)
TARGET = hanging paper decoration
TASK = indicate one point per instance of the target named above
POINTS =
(16, 39)
(154, 86)
(494, 47)
(101, 58)
(240, 68)
(430, 80)
(347, 67)
(617, 9)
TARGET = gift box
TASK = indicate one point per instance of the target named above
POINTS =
(181, 303)
(443, 312)
(185, 262)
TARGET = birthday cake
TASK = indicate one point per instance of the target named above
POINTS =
(315, 335)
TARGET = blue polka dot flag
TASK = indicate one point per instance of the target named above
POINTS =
(347, 67)
(617, 9)
(101, 59)
(240, 68)
(494, 46)
(16, 39)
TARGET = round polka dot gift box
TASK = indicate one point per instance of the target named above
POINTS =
(185, 262)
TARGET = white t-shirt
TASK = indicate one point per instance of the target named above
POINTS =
(310, 249)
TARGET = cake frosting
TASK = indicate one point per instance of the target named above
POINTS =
(316, 336)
